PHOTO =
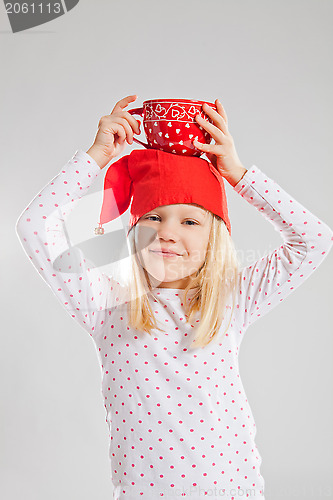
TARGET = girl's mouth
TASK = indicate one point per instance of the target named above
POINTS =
(165, 254)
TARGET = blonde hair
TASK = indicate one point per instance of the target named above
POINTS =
(216, 282)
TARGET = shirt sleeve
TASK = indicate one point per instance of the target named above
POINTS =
(306, 242)
(86, 293)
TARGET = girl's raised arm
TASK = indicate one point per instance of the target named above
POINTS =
(85, 292)
(306, 239)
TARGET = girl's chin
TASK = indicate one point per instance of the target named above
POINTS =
(157, 278)
(160, 274)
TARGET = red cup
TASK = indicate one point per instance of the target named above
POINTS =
(170, 125)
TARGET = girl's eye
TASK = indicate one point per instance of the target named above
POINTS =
(156, 217)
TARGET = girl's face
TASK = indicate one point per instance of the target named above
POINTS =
(181, 228)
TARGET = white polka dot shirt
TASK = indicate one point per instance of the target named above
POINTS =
(179, 421)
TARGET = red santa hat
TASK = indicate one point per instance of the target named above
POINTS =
(155, 178)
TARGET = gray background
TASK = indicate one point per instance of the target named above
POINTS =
(269, 62)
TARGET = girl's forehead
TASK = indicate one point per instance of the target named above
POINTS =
(180, 207)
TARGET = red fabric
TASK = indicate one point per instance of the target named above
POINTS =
(156, 178)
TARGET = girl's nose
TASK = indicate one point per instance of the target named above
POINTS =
(167, 231)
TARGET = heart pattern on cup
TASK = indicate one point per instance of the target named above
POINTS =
(171, 126)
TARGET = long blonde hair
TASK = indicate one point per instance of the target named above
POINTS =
(216, 282)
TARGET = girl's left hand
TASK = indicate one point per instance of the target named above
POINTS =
(222, 154)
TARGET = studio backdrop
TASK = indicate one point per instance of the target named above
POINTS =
(65, 65)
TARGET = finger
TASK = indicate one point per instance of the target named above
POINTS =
(124, 102)
(221, 110)
(128, 129)
(216, 117)
(118, 129)
(211, 149)
(206, 148)
(215, 132)
(135, 124)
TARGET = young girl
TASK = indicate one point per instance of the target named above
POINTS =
(168, 341)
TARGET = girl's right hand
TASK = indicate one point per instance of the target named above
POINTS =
(113, 131)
